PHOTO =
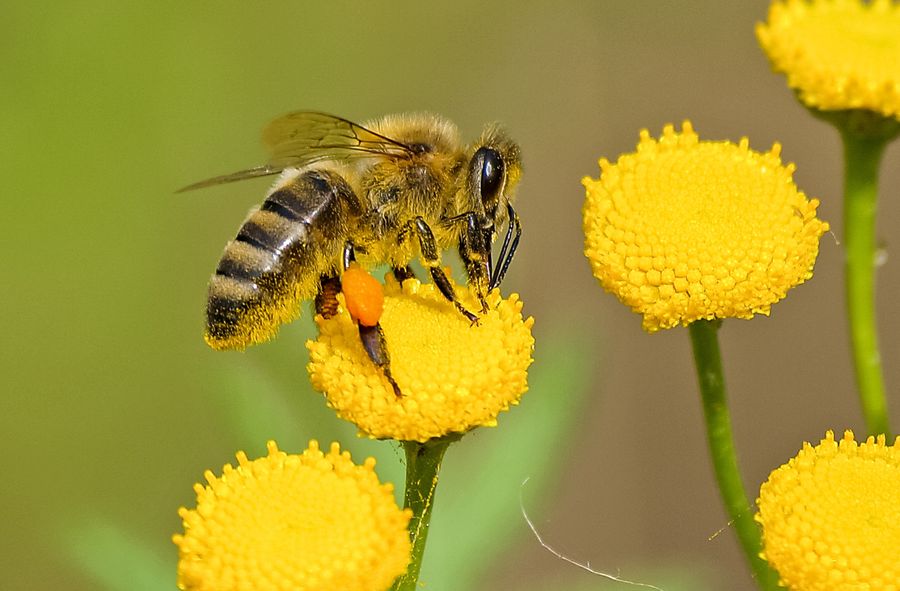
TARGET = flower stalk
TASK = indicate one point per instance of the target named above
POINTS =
(862, 157)
(423, 463)
(708, 361)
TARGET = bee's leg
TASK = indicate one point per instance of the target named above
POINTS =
(326, 302)
(510, 245)
(403, 273)
(371, 336)
(431, 259)
(373, 342)
(349, 255)
(475, 252)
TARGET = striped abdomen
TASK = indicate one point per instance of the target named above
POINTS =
(278, 257)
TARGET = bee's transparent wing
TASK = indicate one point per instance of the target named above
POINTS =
(264, 170)
(304, 137)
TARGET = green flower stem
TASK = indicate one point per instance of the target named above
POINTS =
(862, 155)
(423, 462)
(705, 341)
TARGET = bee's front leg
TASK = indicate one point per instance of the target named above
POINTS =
(432, 260)
(475, 252)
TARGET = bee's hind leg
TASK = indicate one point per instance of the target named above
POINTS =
(373, 342)
(371, 336)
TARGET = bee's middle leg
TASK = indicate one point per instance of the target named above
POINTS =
(432, 260)
(326, 302)
(402, 273)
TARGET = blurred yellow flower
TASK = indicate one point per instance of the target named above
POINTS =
(310, 522)
(683, 230)
(454, 375)
(837, 54)
(831, 516)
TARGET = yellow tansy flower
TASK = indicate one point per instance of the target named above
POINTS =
(454, 375)
(287, 522)
(831, 516)
(683, 230)
(837, 54)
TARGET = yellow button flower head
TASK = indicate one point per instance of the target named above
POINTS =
(308, 522)
(684, 230)
(453, 375)
(837, 54)
(831, 516)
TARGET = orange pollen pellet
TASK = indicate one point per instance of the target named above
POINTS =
(363, 294)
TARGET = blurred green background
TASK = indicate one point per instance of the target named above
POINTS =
(112, 406)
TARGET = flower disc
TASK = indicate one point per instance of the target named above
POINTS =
(837, 54)
(831, 516)
(454, 375)
(307, 522)
(683, 230)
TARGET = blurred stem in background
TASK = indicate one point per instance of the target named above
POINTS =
(423, 464)
(840, 60)
(862, 157)
(708, 361)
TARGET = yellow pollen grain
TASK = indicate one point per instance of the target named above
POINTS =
(683, 230)
(831, 516)
(453, 375)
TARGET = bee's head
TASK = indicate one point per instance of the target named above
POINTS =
(494, 171)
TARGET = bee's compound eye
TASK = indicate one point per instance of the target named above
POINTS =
(491, 173)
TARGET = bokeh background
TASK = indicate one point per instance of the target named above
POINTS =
(112, 406)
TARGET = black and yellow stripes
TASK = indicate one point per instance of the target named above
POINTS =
(276, 260)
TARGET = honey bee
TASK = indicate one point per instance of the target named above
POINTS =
(388, 192)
